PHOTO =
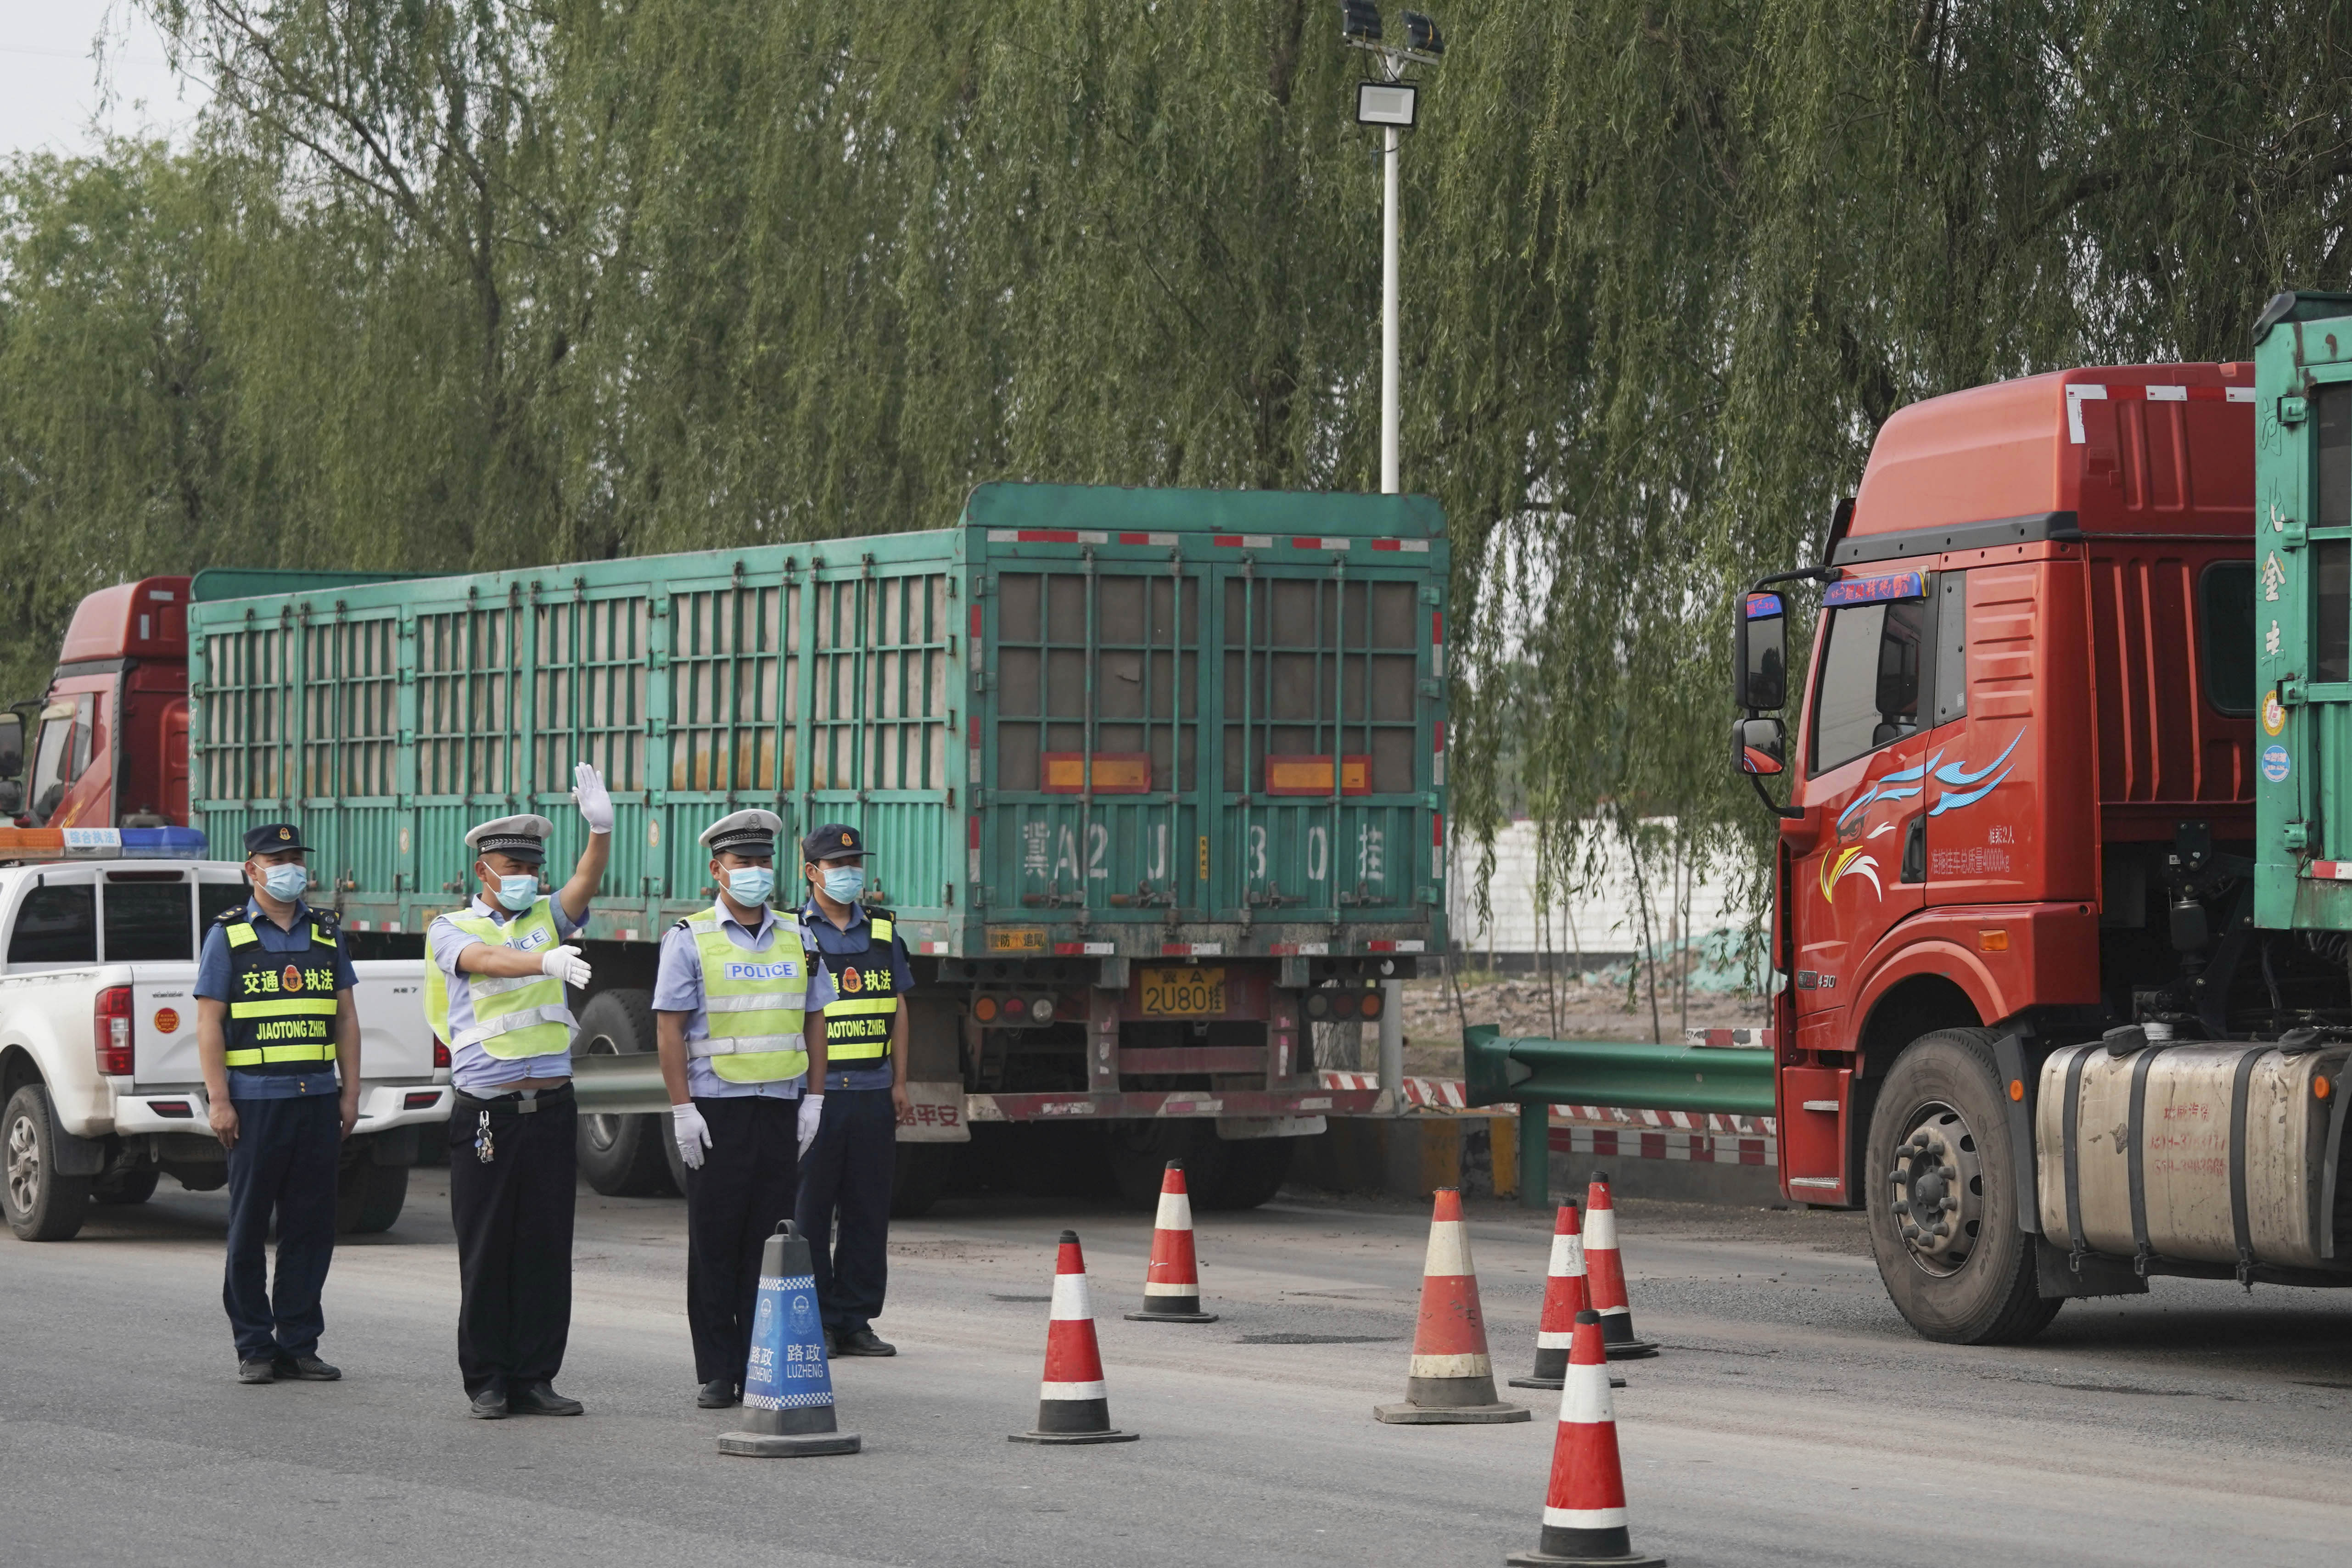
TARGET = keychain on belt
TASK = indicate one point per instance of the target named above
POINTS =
(484, 1150)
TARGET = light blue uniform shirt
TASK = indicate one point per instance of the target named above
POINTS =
(471, 1068)
(678, 988)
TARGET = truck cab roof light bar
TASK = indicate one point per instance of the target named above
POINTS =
(19, 845)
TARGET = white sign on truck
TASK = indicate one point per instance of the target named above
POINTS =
(100, 1093)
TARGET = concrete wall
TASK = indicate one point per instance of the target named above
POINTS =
(1601, 918)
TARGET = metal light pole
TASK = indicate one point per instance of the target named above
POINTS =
(1390, 104)
(1391, 312)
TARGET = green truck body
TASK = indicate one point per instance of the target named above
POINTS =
(1086, 731)
(2303, 619)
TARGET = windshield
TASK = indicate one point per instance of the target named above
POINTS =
(61, 755)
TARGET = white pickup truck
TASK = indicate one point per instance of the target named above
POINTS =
(98, 1074)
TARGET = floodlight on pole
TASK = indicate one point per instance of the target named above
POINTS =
(1390, 104)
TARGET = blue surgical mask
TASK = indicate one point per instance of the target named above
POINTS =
(752, 885)
(519, 893)
(283, 881)
(844, 883)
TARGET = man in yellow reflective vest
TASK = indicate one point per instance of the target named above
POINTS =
(277, 1041)
(495, 993)
(849, 1169)
(739, 1020)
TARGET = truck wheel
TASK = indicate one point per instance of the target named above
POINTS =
(124, 1188)
(1941, 1193)
(921, 1178)
(1242, 1173)
(41, 1205)
(368, 1196)
(624, 1156)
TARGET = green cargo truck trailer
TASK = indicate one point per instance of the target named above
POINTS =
(1154, 781)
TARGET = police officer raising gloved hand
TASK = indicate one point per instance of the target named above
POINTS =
(739, 1020)
(495, 991)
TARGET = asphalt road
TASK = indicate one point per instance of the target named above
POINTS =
(1793, 1418)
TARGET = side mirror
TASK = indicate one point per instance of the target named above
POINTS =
(12, 746)
(1759, 678)
(1760, 746)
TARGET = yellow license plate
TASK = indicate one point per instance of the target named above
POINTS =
(1016, 939)
(1184, 992)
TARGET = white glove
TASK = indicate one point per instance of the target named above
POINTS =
(812, 1112)
(566, 964)
(692, 1132)
(589, 793)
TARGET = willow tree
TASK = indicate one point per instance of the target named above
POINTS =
(488, 281)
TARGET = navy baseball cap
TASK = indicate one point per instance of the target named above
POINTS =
(275, 838)
(834, 841)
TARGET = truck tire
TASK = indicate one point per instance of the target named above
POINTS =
(1967, 1277)
(921, 1178)
(1219, 1173)
(369, 1197)
(1243, 1172)
(124, 1188)
(41, 1205)
(624, 1156)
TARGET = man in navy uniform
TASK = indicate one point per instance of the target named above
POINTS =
(848, 1170)
(278, 1039)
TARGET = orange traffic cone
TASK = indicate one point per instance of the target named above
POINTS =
(1172, 1287)
(1606, 1270)
(1072, 1406)
(1584, 1505)
(1564, 1297)
(1452, 1379)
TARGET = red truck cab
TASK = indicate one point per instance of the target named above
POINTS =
(110, 747)
(2030, 696)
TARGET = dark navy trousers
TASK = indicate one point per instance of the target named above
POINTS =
(285, 1161)
(848, 1172)
(733, 1203)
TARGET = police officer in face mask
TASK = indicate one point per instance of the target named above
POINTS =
(738, 1018)
(277, 1040)
(848, 1171)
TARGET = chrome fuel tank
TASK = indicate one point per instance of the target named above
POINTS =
(2190, 1151)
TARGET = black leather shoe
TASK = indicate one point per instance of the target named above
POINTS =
(864, 1341)
(491, 1404)
(716, 1394)
(260, 1369)
(541, 1399)
(306, 1369)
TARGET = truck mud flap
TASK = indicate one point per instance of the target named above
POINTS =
(2009, 1060)
(2058, 1275)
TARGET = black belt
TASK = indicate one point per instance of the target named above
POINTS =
(522, 1102)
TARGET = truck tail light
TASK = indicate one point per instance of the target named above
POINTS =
(1015, 1007)
(1040, 1011)
(111, 1028)
(1371, 1004)
(440, 1054)
(985, 1009)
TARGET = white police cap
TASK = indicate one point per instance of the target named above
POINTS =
(522, 838)
(745, 833)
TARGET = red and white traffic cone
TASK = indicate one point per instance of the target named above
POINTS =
(1605, 1270)
(1452, 1379)
(1564, 1297)
(1584, 1504)
(1172, 1287)
(1072, 1406)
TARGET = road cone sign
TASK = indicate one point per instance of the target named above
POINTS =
(1584, 1503)
(1172, 1287)
(1452, 1379)
(1564, 1297)
(1605, 1275)
(1072, 1406)
(788, 1407)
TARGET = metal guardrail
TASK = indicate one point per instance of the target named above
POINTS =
(1734, 1080)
